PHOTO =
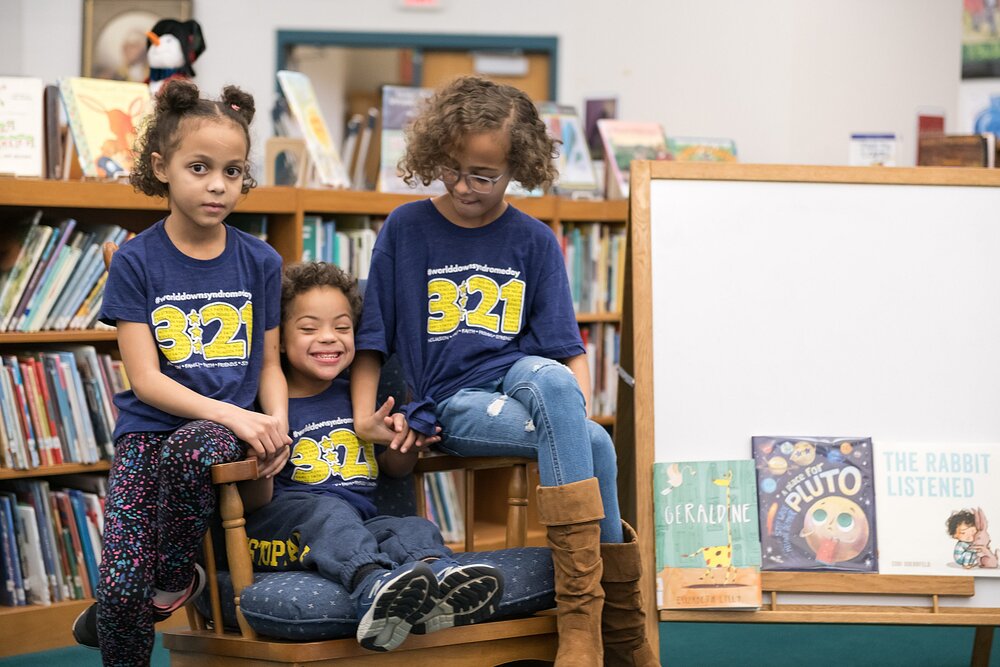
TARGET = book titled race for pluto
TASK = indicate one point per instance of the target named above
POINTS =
(816, 498)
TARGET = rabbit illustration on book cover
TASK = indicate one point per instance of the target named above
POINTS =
(981, 542)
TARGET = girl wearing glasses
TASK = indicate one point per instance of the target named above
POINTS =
(473, 296)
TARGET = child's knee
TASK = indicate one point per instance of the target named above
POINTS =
(550, 374)
(602, 447)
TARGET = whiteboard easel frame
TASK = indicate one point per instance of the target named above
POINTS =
(635, 423)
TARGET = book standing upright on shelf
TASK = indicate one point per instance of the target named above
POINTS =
(46, 264)
(13, 580)
(817, 503)
(31, 239)
(702, 149)
(104, 117)
(399, 106)
(576, 170)
(359, 179)
(707, 548)
(624, 142)
(22, 129)
(936, 502)
(298, 91)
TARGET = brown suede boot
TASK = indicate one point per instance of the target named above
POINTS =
(623, 624)
(571, 514)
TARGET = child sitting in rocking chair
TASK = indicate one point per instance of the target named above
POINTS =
(397, 568)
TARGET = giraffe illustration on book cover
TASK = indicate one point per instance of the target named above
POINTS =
(707, 546)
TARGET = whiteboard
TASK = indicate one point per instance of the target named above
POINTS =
(819, 301)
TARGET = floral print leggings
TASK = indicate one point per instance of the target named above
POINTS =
(159, 502)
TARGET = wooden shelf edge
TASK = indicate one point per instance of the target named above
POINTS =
(51, 471)
(592, 318)
(599, 210)
(847, 614)
(70, 337)
(36, 628)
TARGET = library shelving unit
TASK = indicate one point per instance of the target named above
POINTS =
(33, 628)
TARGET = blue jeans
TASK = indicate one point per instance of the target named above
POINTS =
(325, 533)
(536, 411)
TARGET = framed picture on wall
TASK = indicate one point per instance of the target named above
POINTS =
(980, 39)
(114, 35)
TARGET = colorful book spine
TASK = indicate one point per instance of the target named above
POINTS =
(13, 555)
(91, 551)
(8, 556)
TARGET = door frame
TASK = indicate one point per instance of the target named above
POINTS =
(420, 42)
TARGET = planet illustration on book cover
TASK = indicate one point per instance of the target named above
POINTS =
(816, 502)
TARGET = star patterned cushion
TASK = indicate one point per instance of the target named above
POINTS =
(304, 606)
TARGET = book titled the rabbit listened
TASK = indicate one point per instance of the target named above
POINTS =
(104, 118)
(936, 502)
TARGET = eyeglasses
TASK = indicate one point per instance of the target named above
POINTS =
(480, 184)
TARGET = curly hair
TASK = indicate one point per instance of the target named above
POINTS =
(161, 132)
(301, 277)
(470, 105)
(958, 518)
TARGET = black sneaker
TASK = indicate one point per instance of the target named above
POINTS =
(85, 628)
(193, 590)
(392, 602)
(466, 594)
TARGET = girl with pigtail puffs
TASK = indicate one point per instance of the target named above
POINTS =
(197, 307)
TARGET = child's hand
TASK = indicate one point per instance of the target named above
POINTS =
(264, 433)
(272, 465)
(392, 430)
(406, 438)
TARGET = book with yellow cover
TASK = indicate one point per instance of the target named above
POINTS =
(104, 120)
(301, 98)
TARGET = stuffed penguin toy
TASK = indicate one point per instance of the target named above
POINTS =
(171, 47)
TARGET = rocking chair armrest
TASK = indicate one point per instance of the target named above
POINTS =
(237, 471)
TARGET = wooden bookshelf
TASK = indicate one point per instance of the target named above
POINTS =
(36, 628)
(52, 471)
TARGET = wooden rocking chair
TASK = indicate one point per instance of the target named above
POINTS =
(489, 643)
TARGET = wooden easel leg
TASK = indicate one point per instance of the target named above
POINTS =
(982, 645)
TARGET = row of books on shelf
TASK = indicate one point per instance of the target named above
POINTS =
(50, 539)
(595, 262)
(56, 407)
(443, 500)
(809, 504)
(602, 341)
(375, 143)
(346, 241)
(56, 281)
(303, 151)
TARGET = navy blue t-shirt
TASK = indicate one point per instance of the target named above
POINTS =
(461, 305)
(327, 457)
(207, 317)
